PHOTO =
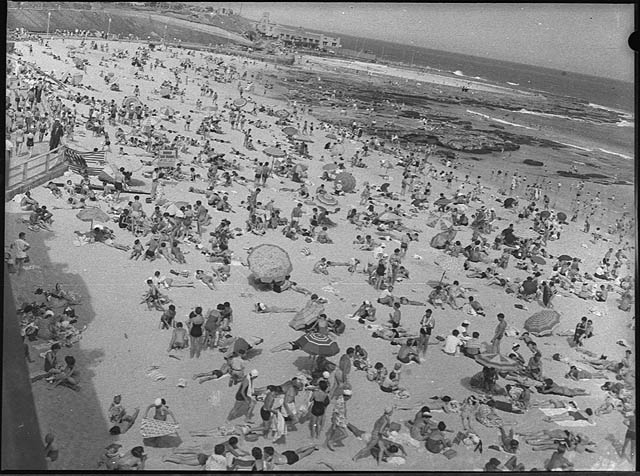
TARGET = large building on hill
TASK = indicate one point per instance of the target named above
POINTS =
(296, 36)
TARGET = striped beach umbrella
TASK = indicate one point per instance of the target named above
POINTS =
(318, 344)
(240, 102)
(542, 321)
(497, 361)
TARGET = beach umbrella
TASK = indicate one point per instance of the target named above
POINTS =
(347, 181)
(562, 217)
(164, 92)
(180, 204)
(240, 102)
(172, 209)
(443, 201)
(329, 167)
(538, 260)
(306, 316)
(389, 217)
(269, 263)
(327, 200)
(565, 258)
(498, 362)
(545, 214)
(318, 344)
(337, 149)
(93, 214)
(150, 121)
(331, 136)
(290, 131)
(509, 202)
(168, 111)
(210, 108)
(129, 100)
(439, 240)
(542, 321)
(302, 139)
(274, 152)
(282, 113)
(528, 233)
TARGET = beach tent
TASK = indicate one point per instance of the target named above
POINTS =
(438, 241)
(347, 181)
(306, 316)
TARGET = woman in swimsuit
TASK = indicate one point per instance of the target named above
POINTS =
(319, 403)
(195, 323)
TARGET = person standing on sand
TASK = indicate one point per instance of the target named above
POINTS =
(499, 334)
(380, 428)
(21, 246)
(338, 430)
(244, 398)
(196, 320)
(427, 324)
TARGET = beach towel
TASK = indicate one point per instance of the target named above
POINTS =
(150, 428)
(554, 411)
(574, 423)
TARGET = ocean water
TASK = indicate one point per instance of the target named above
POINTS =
(599, 92)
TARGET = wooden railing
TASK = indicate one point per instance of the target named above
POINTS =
(26, 172)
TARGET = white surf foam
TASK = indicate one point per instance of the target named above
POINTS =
(501, 121)
(616, 153)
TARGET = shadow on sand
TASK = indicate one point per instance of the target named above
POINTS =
(75, 418)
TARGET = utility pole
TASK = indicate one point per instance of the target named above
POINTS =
(164, 37)
(48, 21)
(109, 28)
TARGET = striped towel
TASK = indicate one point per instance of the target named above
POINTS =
(92, 162)
(150, 428)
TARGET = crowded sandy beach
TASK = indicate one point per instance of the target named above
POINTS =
(256, 281)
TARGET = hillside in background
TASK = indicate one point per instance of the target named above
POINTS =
(124, 23)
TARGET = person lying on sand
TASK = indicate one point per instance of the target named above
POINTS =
(273, 458)
(206, 279)
(550, 387)
(125, 423)
(262, 308)
(572, 415)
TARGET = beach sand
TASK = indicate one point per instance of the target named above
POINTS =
(123, 339)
